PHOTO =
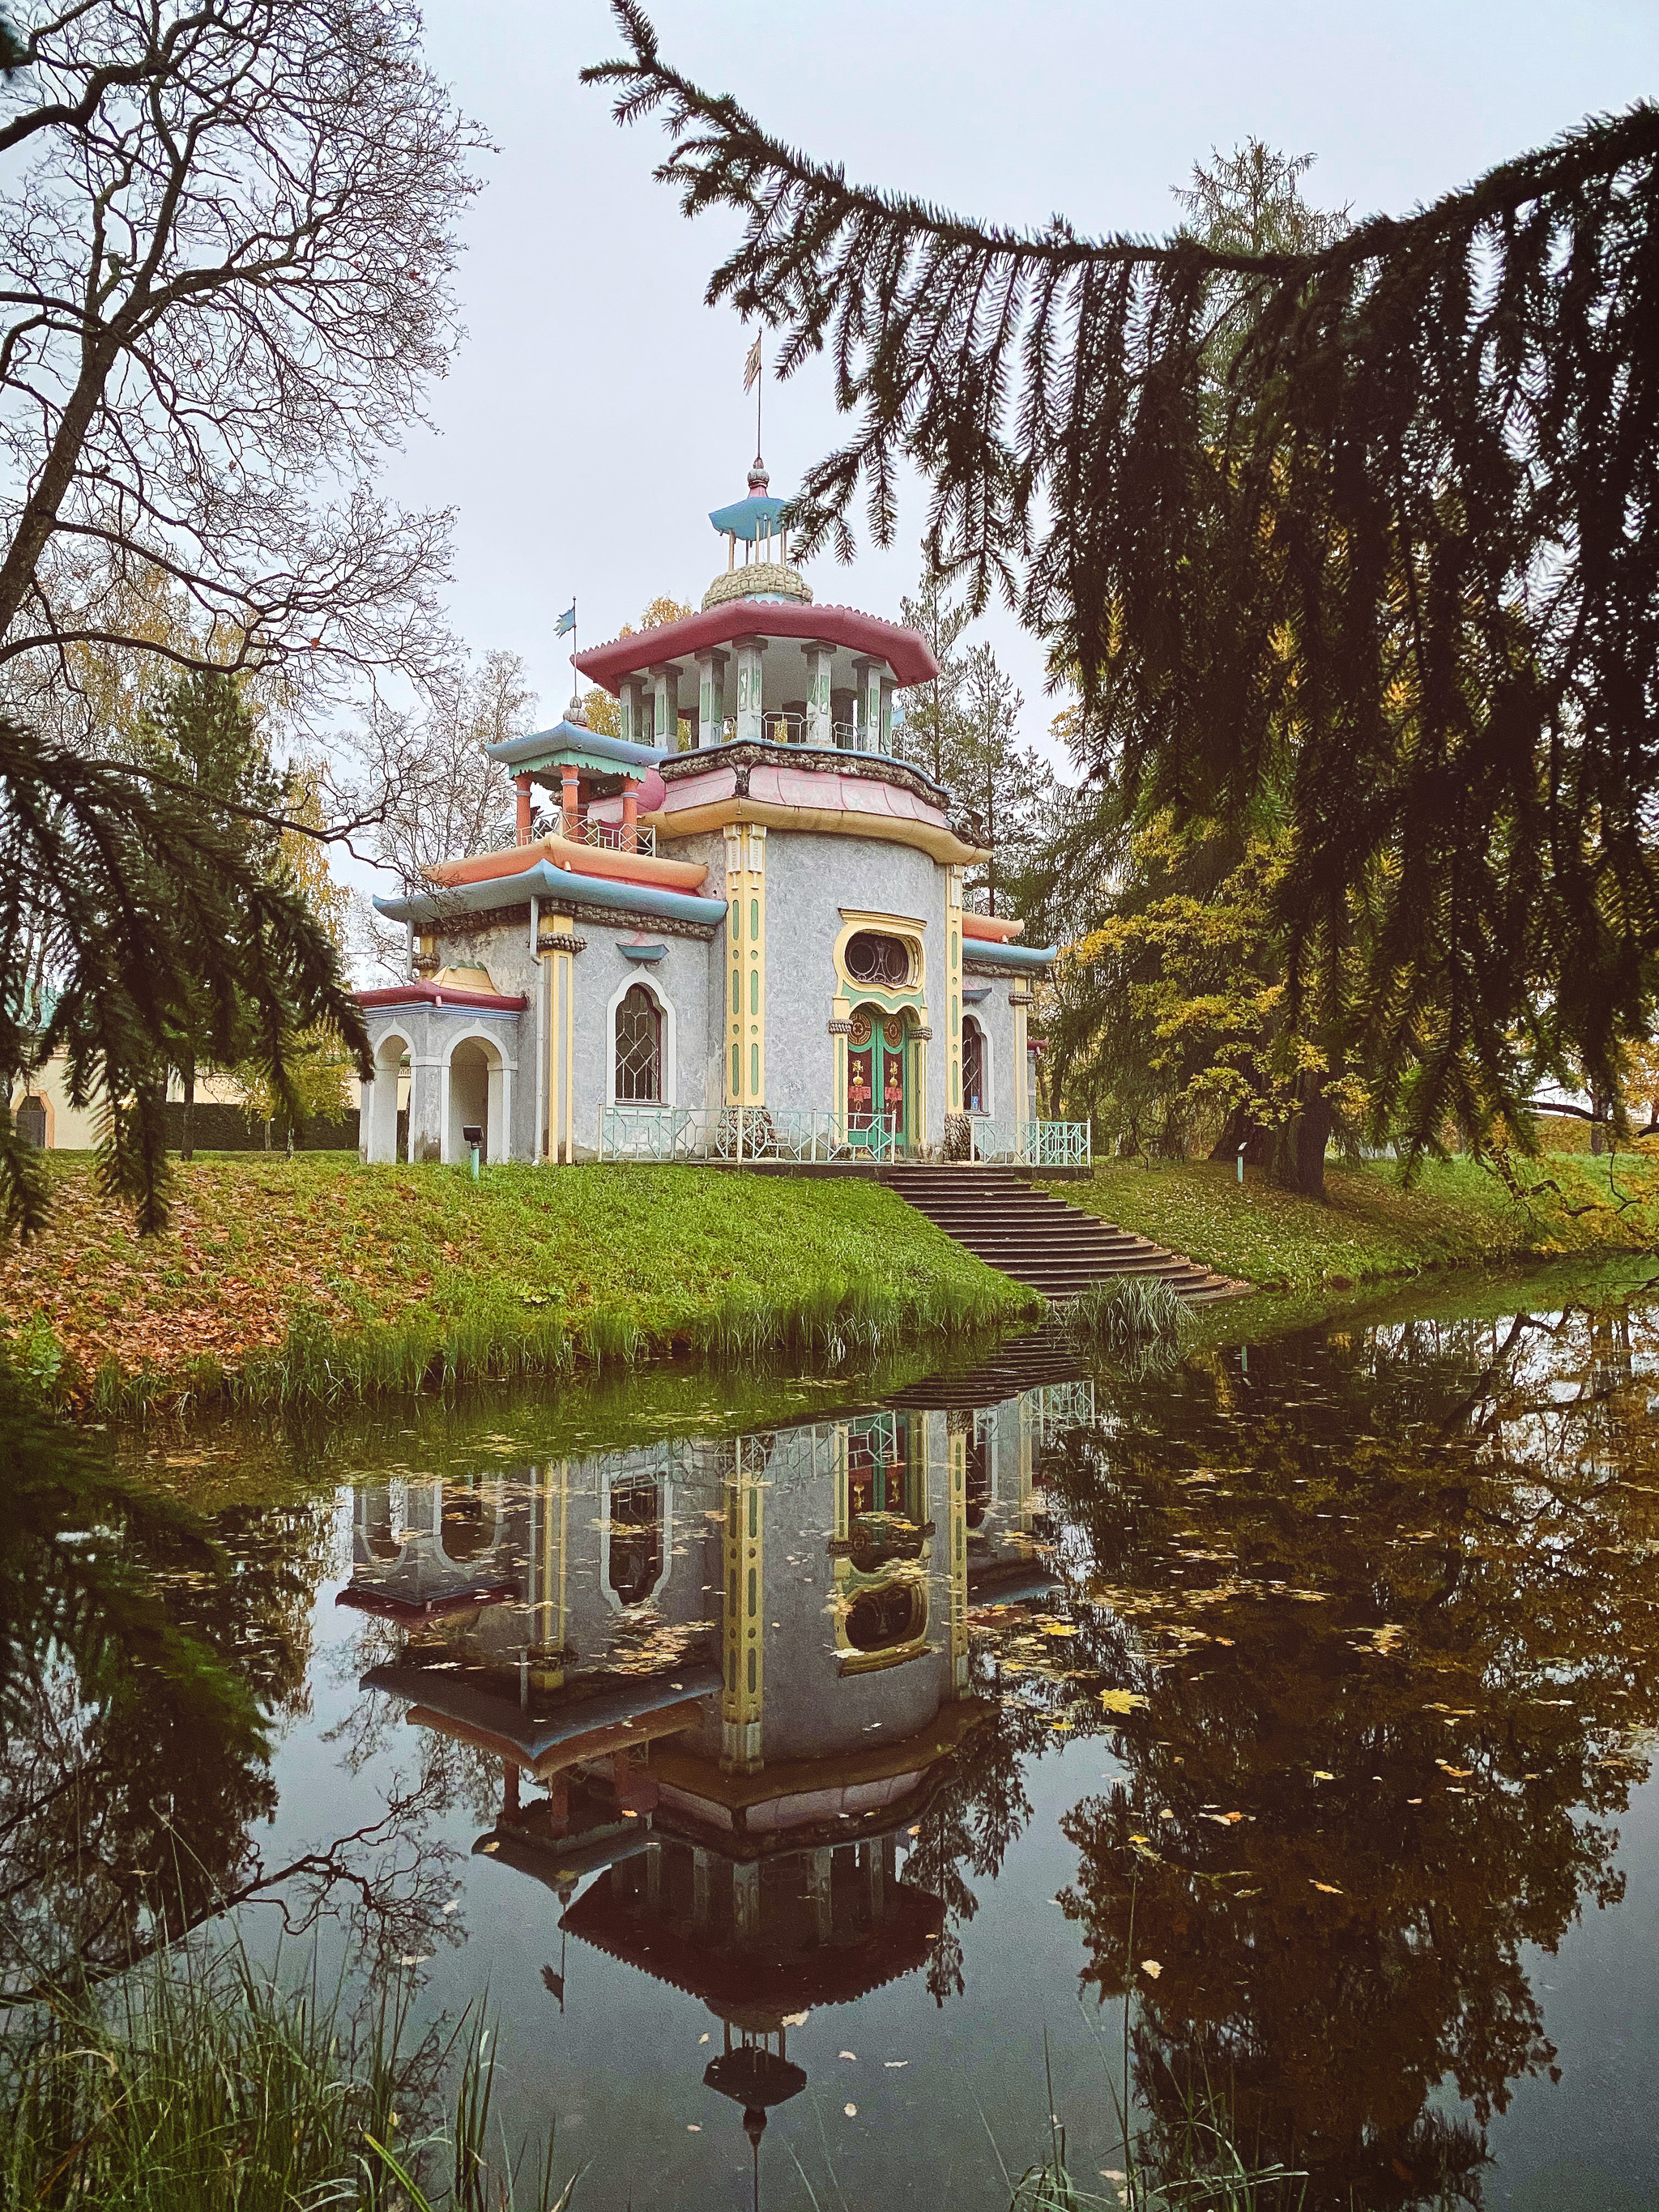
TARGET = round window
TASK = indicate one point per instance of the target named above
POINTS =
(873, 958)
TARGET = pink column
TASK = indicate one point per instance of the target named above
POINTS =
(571, 802)
(523, 824)
(630, 814)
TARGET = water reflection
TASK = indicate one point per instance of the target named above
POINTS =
(1361, 1625)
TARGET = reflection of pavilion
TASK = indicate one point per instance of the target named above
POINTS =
(723, 1729)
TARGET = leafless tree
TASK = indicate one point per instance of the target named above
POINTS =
(229, 237)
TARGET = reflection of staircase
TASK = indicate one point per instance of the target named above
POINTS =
(1039, 1239)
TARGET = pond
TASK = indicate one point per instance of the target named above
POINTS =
(824, 1780)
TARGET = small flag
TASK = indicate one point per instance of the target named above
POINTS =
(567, 620)
(751, 367)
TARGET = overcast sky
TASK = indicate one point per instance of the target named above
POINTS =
(595, 412)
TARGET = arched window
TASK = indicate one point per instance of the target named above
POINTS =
(871, 958)
(973, 1066)
(639, 1046)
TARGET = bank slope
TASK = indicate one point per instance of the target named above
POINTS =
(283, 1279)
(1457, 1213)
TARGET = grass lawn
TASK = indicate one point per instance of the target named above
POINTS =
(316, 1276)
(1457, 1213)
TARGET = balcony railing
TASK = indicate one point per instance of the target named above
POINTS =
(806, 1134)
(620, 836)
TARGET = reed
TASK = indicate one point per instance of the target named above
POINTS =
(203, 2084)
(1127, 1312)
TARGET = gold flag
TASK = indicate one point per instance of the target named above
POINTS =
(751, 367)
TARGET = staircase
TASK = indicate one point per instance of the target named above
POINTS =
(1038, 1239)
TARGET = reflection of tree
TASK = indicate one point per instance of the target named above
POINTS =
(977, 1814)
(144, 1662)
(1397, 1626)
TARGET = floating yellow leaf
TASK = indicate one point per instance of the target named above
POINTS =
(1457, 1773)
(1151, 1967)
(1321, 1775)
(1330, 1889)
(1122, 1701)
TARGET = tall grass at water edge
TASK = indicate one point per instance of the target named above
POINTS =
(1126, 1313)
(199, 2084)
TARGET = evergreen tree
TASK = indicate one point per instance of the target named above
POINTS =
(1419, 527)
(931, 711)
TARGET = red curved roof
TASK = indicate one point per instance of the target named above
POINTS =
(905, 650)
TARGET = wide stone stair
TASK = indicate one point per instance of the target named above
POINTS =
(1036, 1237)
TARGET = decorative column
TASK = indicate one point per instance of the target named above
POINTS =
(953, 989)
(630, 821)
(1018, 1000)
(557, 946)
(711, 697)
(427, 1086)
(746, 1597)
(665, 682)
(884, 718)
(570, 804)
(745, 964)
(843, 714)
(869, 676)
(521, 823)
(631, 698)
(820, 701)
(956, 1502)
(750, 719)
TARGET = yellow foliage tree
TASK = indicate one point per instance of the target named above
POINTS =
(603, 712)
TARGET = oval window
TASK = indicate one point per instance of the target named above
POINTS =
(878, 1619)
(872, 958)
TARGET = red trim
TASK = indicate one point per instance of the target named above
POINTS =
(904, 650)
(433, 995)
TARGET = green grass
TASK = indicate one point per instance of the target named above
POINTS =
(319, 1280)
(1373, 1229)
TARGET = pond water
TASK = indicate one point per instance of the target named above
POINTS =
(822, 1780)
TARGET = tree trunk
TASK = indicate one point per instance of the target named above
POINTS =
(1301, 1164)
(187, 1148)
(1239, 1129)
(1598, 1133)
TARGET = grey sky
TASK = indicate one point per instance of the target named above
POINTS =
(596, 413)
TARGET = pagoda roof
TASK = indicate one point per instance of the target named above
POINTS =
(904, 650)
(748, 518)
(575, 743)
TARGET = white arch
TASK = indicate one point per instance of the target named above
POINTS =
(987, 1070)
(628, 1469)
(670, 1071)
(376, 1118)
(453, 1107)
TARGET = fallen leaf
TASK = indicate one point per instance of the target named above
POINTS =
(1122, 1701)
(797, 2019)
(1330, 1889)
(846, 2054)
(1320, 1775)
(890, 2064)
(703, 2039)
(1151, 1967)
(694, 2127)
(851, 2111)
(1457, 1773)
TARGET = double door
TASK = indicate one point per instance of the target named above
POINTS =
(877, 1078)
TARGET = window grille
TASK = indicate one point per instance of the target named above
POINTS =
(639, 1047)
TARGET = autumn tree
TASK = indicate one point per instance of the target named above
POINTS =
(603, 712)
(230, 235)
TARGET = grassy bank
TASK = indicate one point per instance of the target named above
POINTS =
(1373, 1229)
(317, 1278)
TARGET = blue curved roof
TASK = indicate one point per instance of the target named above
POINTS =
(745, 517)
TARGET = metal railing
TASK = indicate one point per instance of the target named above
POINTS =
(745, 1133)
(1033, 1144)
(618, 836)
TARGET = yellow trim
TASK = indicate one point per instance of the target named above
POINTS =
(849, 1581)
(895, 997)
(744, 1075)
(940, 844)
(957, 1452)
(743, 1697)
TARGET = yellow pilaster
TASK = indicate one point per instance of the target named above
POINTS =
(745, 1599)
(957, 1476)
(746, 965)
(558, 1137)
(550, 1490)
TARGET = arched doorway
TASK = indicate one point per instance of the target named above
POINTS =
(387, 1134)
(880, 1086)
(31, 1121)
(475, 1100)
